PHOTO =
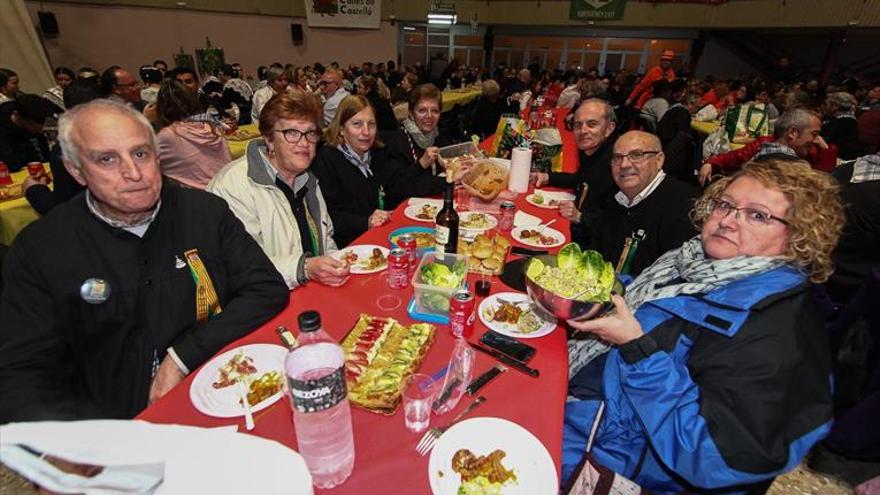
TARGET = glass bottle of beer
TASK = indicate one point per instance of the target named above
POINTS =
(446, 229)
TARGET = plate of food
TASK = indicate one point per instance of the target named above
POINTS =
(548, 199)
(541, 237)
(259, 367)
(425, 239)
(364, 258)
(510, 313)
(491, 456)
(476, 221)
(421, 212)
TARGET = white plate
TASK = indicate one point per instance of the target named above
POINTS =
(558, 196)
(196, 460)
(412, 212)
(508, 329)
(464, 217)
(224, 402)
(363, 252)
(547, 231)
(526, 455)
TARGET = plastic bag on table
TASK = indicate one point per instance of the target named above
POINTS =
(547, 150)
(510, 133)
(706, 114)
(458, 376)
(743, 123)
(716, 144)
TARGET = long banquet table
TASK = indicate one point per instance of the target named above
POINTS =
(384, 450)
(385, 456)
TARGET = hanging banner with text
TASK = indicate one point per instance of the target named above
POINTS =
(365, 14)
(597, 10)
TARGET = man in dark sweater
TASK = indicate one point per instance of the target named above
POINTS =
(650, 206)
(111, 299)
(593, 126)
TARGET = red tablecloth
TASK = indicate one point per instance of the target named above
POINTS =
(385, 456)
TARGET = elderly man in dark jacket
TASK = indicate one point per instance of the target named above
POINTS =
(116, 295)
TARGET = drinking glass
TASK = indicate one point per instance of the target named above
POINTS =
(418, 391)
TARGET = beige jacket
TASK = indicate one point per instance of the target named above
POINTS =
(252, 196)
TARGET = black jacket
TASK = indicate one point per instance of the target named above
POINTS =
(18, 147)
(351, 197)
(63, 358)
(663, 215)
(681, 144)
(858, 251)
(595, 171)
(844, 132)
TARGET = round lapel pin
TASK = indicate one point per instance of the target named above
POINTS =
(95, 290)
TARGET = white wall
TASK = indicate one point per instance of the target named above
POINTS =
(100, 36)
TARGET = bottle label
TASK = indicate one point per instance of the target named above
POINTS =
(441, 234)
(319, 394)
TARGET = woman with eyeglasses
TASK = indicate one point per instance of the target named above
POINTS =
(277, 198)
(718, 373)
(361, 181)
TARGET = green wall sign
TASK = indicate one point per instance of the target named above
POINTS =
(597, 10)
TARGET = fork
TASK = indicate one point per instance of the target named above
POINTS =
(431, 436)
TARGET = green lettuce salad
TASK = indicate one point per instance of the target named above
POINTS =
(576, 272)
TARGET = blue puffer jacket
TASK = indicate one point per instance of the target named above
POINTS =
(726, 389)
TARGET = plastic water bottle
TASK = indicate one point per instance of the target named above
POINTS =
(321, 413)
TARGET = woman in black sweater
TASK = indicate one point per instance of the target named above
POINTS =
(418, 140)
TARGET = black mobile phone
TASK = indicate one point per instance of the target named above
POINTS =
(508, 345)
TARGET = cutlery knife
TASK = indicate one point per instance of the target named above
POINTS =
(504, 358)
(480, 381)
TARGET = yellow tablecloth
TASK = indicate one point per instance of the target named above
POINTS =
(15, 214)
(706, 128)
(452, 97)
(237, 147)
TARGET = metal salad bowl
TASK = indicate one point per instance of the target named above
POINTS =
(566, 308)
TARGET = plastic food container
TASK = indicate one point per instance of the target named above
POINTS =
(461, 149)
(430, 299)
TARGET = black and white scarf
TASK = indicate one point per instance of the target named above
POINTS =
(685, 270)
(423, 140)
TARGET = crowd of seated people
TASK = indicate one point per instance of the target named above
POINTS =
(715, 272)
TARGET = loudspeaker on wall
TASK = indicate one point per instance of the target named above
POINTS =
(48, 23)
(296, 34)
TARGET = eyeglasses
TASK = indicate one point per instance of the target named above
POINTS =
(325, 83)
(754, 216)
(634, 156)
(294, 136)
(132, 84)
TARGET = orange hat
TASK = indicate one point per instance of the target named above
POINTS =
(667, 55)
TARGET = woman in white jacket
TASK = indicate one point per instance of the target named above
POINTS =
(272, 192)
